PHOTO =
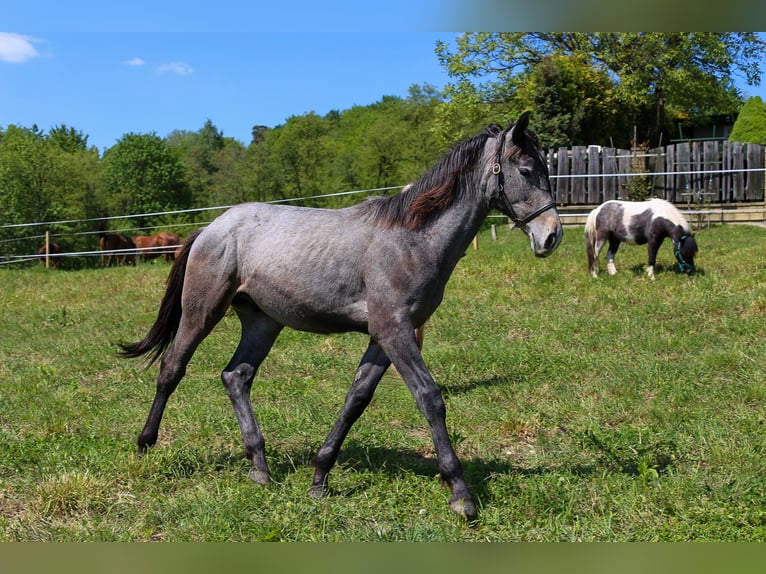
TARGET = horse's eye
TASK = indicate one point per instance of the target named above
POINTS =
(525, 171)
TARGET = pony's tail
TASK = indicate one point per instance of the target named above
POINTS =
(590, 238)
(165, 326)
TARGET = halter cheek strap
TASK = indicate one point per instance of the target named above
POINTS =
(683, 266)
(497, 170)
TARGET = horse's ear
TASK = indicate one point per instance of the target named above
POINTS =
(518, 132)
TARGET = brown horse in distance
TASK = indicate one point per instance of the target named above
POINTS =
(163, 243)
(54, 252)
(110, 244)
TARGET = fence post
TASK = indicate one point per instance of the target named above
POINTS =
(47, 249)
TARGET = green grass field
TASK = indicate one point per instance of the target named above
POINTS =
(615, 409)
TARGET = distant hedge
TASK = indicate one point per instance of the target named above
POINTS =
(750, 126)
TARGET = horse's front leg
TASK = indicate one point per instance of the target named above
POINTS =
(371, 368)
(652, 248)
(614, 245)
(401, 347)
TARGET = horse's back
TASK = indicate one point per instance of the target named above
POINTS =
(302, 266)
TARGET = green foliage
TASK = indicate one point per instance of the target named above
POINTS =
(210, 163)
(574, 102)
(750, 126)
(616, 409)
(659, 76)
(142, 174)
(45, 177)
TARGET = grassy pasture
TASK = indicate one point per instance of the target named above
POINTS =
(615, 409)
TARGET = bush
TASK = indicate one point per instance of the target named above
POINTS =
(750, 126)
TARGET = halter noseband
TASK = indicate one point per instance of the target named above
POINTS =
(683, 266)
(497, 169)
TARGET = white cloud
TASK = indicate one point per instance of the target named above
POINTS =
(179, 68)
(134, 62)
(17, 48)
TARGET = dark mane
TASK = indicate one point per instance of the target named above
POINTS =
(436, 189)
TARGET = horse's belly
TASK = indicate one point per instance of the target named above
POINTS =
(320, 320)
(312, 304)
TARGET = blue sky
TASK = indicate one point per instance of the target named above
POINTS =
(106, 84)
(108, 69)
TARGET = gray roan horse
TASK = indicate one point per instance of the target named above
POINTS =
(638, 223)
(379, 267)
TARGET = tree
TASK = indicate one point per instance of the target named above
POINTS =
(750, 126)
(43, 178)
(300, 156)
(574, 102)
(27, 174)
(199, 153)
(142, 174)
(658, 76)
(68, 139)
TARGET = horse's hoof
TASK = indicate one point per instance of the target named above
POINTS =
(259, 476)
(317, 491)
(464, 507)
(142, 450)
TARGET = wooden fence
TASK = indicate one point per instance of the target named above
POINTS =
(710, 171)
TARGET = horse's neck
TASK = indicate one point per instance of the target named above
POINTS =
(455, 228)
(673, 230)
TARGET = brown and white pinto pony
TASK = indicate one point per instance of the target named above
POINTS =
(162, 243)
(638, 223)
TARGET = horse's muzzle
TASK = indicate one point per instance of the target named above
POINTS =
(545, 234)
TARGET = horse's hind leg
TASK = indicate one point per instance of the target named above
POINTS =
(592, 250)
(200, 315)
(371, 368)
(172, 370)
(258, 335)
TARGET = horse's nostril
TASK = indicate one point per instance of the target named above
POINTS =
(550, 242)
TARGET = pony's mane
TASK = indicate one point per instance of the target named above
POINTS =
(439, 187)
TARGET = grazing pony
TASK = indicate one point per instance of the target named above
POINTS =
(151, 246)
(379, 268)
(638, 223)
(116, 249)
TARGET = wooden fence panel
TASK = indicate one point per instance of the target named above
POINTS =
(700, 171)
(711, 163)
(669, 189)
(754, 179)
(738, 179)
(624, 157)
(578, 169)
(726, 179)
(594, 192)
(656, 165)
(563, 184)
(609, 163)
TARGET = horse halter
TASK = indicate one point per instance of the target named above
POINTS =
(497, 170)
(683, 266)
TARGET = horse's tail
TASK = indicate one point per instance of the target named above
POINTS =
(590, 238)
(165, 326)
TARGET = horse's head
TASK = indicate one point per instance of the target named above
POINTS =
(521, 188)
(685, 250)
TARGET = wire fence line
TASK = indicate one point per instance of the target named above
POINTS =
(194, 210)
(6, 259)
